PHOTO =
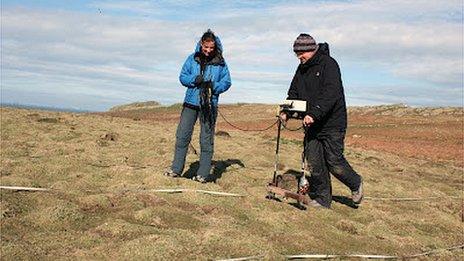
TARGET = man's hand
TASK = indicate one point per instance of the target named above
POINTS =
(283, 116)
(308, 120)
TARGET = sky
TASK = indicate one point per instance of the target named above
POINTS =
(92, 55)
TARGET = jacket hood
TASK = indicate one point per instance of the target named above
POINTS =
(323, 49)
(217, 42)
(218, 59)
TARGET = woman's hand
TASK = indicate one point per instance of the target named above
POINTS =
(198, 79)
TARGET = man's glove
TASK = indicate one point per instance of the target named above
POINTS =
(198, 79)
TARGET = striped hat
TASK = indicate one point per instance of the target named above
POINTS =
(304, 43)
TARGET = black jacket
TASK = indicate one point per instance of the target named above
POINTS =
(318, 81)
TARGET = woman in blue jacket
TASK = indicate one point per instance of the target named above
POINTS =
(206, 76)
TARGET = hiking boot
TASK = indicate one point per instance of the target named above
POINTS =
(171, 173)
(357, 195)
(200, 179)
(314, 204)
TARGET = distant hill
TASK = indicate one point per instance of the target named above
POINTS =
(43, 108)
(136, 106)
(403, 110)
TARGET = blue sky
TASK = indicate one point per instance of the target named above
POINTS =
(92, 55)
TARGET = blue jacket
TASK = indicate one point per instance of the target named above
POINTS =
(216, 71)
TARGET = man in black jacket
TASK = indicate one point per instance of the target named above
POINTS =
(318, 81)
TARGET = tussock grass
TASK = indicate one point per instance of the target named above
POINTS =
(101, 208)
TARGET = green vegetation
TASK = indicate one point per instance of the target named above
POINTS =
(101, 169)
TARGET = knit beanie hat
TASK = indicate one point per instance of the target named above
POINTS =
(304, 43)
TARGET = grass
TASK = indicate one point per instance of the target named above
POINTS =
(101, 207)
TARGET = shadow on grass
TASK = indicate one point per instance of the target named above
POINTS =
(292, 176)
(296, 173)
(293, 204)
(298, 206)
(345, 201)
(219, 167)
(339, 199)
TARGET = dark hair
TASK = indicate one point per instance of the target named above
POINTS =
(208, 36)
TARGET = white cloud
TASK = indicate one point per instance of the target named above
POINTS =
(114, 53)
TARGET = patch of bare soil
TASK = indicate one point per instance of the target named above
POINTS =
(435, 134)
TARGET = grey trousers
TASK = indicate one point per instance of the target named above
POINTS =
(184, 133)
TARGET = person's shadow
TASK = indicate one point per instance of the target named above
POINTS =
(219, 167)
(345, 201)
(293, 172)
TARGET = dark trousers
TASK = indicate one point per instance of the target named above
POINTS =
(184, 133)
(324, 153)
